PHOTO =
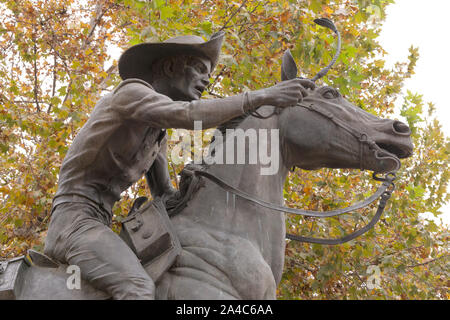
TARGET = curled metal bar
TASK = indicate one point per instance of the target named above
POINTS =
(324, 22)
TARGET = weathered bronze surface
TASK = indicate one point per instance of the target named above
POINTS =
(228, 248)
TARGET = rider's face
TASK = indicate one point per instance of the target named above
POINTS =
(189, 84)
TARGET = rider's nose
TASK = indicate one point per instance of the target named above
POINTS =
(401, 129)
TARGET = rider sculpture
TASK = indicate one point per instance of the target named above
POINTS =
(125, 139)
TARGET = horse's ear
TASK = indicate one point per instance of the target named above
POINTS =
(288, 67)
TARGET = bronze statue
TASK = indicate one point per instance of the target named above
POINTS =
(231, 230)
(124, 139)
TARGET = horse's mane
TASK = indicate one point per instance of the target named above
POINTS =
(230, 124)
(176, 199)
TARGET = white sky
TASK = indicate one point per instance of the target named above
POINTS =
(423, 24)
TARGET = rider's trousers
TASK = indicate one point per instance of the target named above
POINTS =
(79, 234)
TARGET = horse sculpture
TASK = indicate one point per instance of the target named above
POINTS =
(233, 248)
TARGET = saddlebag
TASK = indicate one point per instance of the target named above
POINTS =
(12, 274)
(150, 234)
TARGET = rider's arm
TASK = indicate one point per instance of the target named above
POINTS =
(135, 100)
(158, 178)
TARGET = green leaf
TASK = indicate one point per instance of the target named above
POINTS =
(158, 3)
(18, 223)
(166, 13)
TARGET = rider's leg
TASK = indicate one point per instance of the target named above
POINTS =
(78, 235)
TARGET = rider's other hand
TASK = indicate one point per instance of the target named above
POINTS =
(171, 194)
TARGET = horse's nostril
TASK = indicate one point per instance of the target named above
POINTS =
(401, 128)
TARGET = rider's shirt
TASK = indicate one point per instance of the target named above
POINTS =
(122, 137)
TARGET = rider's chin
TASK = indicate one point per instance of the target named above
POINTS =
(192, 95)
(188, 98)
(197, 93)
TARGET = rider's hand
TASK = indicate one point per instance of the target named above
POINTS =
(171, 194)
(284, 94)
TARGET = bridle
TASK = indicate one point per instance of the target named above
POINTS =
(362, 137)
(383, 192)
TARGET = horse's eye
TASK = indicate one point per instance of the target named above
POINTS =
(330, 94)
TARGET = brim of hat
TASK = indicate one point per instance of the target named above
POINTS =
(137, 60)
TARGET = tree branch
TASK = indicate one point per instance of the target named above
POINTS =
(28, 102)
(110, 71)
(428, 262)
(212, 84)
(232, 16)
(54, 81)
(99, 12)
(38, 108)
(175, 175)
(95, 20)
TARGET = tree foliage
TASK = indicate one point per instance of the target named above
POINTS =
(55, 62)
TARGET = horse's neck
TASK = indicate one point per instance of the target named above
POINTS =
(263, 180)
(264, 228)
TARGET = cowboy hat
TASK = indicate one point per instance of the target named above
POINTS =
(137, 60)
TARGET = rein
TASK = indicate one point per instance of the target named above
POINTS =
(383, 192)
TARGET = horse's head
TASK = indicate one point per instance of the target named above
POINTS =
(326, 130)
